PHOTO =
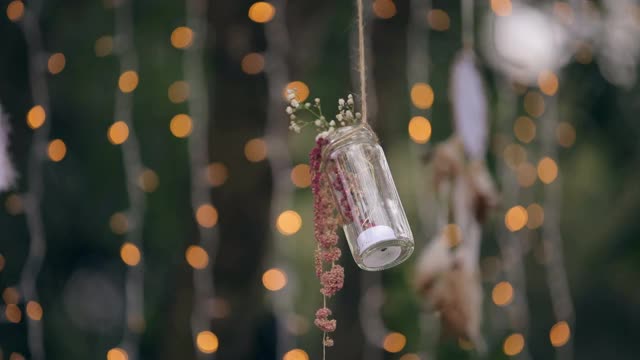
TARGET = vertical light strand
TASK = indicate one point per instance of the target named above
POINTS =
(418, 66)
(510, 243)
(371, 290)
(277, 74)
(134, 278)
(557, 279)
(468, 22)
(37, 154)
(198, 104)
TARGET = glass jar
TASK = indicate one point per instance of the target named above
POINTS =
(374, 221)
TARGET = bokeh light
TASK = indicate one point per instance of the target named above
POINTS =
(103, 46)
(182, 37)
(289, 222)
(525, 129)
(148, 180)
(10, 295)
(394, 342)
(563, 12)
(419, 129)
(547, 170)
(130, 254)
(274, 279)
(14, 205)
(262, 12)
(384, 9)
(514, 155)
(128, 81)
(118, 133)
(535, 214)
(207, 342)
(255, 150)
(179, 92)
(57, 150)
(34, 310)
(197, 257)
(36, 117)
(513, 344)
(16, 356)
(207, 215)
(56, 63)
(301, 90)
(117, 354)
(502, 293)
(15, 10)
(217, 174)
(560, 334)
(296, 354)
(534, 104)
(119, 223)
(438, 20)
(565, 134)
(301, 176)
(527, 174)
(501, 7)
(410, 356)
(3, 262)
(548, 83)
(12, 313)
(252, 63)
(181, 125)
(516, 218)
(422, 96)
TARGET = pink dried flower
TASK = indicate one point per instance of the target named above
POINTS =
(325, 325)
(332, 280)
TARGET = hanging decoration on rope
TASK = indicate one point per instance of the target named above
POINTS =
(353, 187)
(7, 172)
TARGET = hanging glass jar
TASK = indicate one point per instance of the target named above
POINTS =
(374, 221)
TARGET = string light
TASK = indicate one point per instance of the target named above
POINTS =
(262, 12)
(547, 170)
(438, 20)
(535, 214)
(57, 150)
(182, 37)
(422, 96)
(34, 310)
(14, 204)
(384, 9)
(148, 181)
(119, 223)
(255, 150)
(534, 104)
(394, 342)
(548, 83)
(560, 334)
(15, 10)
(502, 293)
(118, 132)
(419, 129)
(197, 257)
(274, 279)
(181, 125)
(36, 117)
(513, 344)
(525, 129)
(117, 354)
(296, 354)
(527, 174)
(516, 218)
(301, 176)
(103, 46)
(207, 216)
(179, 92)
(300, 88)
(217, 174)
(207, 342)
(130, 254)
(565, 134)
(252, 63)
(289, 222)
(128, 81)
(501, 7)
(56, 63)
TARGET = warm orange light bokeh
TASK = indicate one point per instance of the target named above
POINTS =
(274, 279)
(10, 295)
(560, 334)
(148, 180)
(422, 96)
(296, 354)
(14, 206)
(301, 90)
(181, 126)
(128, 81)
(501, 7)
(502, 294)
(534, 104)
(252, 63)
(57, 150)
(130, 254)
(117, 354)
(565, 134)
(36, 117)
(513, 344)
(547, 170)
(535, 213)
(207, 342)
(262, 12)
(438, 20)
(118, 133)
(15, 10)
(182, 37)
(56, 63)
(197, 257)
(419, 129)
(103, 46)
(527, 174)
(255, 150)
(525, 129)
(301, 175)
(516, 218)
(12, 313)
(394, 342)
(34, 310)
(384, 9)
(514, 155)
(207, 216)
(289, 222)
(217, 174)
(119, 223)
(179, 92)
(548, 83)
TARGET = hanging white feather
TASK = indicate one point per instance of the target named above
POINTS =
(7, 173)
(469, 102)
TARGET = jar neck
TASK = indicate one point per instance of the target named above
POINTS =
(349, 134)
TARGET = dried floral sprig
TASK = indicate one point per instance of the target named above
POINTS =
(310, 113)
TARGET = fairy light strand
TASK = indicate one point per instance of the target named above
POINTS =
(134, 278)
(37, 156)
(199, 109)
(276, 71)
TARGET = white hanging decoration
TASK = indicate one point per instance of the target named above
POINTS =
(469, 105)
(7, 172)
(525, 43)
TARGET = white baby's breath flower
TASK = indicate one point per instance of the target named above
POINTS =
(322, 118)
(292, 117)
(349, 114)
(289, 110)
(317, 100)
(339, 117)
(318, 122)
(358, 115)
(331, 129)
(307, 105)
(295, 103)
(341, 102)
(342, 123)
(350, 100)
(332, 123)
(291, 95)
